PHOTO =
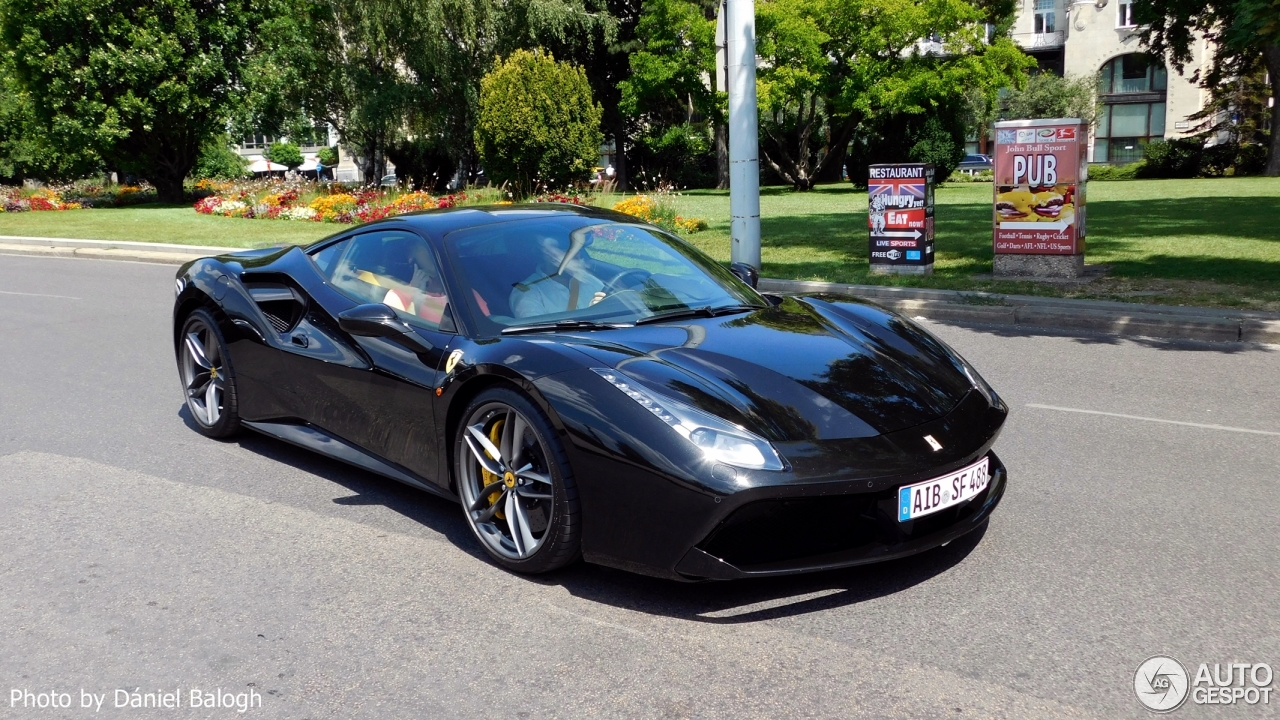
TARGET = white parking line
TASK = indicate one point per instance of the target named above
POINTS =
(1159, 420)
(60, 297)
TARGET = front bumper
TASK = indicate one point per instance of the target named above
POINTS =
(783, 536)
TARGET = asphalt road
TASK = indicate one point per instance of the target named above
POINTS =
(135, 553)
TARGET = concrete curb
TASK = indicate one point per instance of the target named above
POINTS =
(164, 253)
(1094, 316)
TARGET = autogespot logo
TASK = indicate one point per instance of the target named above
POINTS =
(1161, 684)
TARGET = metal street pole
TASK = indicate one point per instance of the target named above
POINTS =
(744, 145)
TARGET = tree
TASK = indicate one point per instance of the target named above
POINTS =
(1243, 33)
(831, 67)
(285, 153)
(667, 96)
(537, 123)
(141, 84)
(343, 62)
(219, 161)
(423, 163)
(1049, 96)
(26, 150)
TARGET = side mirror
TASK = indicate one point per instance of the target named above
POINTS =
(745, 273)
(378, 320)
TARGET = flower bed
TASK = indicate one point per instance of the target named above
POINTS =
(42, 200)
(279, 201)
(657, 209)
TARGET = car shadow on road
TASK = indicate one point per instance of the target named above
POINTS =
(758, 599)
(731, 602)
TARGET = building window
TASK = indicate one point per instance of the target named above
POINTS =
(257, 142)
(1124, 14)
(1046, 16)
(1133, 90)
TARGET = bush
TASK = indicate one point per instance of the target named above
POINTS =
(1218, 160)
(1251, 159)
(537, 124)
(328, 156)
(423, 163)
(1176, 158)
(1132, 171)
(935, 144)
(218, 161)
(680, 154)
(937, 137)
(284, 153)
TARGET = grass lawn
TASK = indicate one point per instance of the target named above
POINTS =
(1203, 242)
(163, 224)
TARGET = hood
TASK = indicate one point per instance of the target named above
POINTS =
(809, 369)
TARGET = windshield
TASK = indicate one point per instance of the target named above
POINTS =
(574, 269)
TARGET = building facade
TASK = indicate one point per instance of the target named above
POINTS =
(1143, 98)
(253, 148)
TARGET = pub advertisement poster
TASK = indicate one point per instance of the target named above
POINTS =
(1040, 172)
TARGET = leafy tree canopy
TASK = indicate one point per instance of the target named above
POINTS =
(141, 84)
(286, 154)
(831, 65)
(1049, 96)
(1245, 33)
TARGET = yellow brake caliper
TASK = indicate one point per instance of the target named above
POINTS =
(495, 436)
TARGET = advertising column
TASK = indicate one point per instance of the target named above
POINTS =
(900, 218)
(1039, 216)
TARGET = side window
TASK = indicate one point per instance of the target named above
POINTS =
(396, 268)
(326, 257)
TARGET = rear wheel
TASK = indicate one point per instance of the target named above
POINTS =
(207, 378)
(515, 483)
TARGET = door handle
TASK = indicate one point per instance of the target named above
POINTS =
(300, 340)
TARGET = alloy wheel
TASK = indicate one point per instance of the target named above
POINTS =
(204, 374)
(505, 481)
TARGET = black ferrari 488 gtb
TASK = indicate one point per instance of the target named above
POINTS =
(587, 385)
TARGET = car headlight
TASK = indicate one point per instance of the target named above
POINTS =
(718, 439)
(980, 384)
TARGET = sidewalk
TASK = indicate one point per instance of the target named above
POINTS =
(1093, 316)
(1097, 316)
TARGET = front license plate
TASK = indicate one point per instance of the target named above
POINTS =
(941, 493)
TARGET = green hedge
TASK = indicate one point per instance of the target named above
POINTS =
(1132, 171)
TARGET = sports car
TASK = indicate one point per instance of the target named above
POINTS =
(589, 386)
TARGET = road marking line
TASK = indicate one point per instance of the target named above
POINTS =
(61, 297)
(1159, 420)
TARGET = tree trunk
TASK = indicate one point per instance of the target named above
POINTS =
(1272, 55)
(722, 155)
(168, 188)
(620, 153)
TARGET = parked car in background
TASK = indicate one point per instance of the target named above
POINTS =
(390, 180)
(975, 163)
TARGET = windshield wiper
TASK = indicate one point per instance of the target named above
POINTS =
(700, 311)
(560, 325)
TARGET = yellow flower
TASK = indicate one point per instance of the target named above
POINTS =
(329, 207)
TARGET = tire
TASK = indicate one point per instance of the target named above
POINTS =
(208, 380)
(532, 481)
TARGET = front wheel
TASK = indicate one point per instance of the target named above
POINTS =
(207, 379)
(515, 483)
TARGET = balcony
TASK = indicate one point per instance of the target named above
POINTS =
(1040, 41)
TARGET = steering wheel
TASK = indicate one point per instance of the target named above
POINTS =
(611, 286)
